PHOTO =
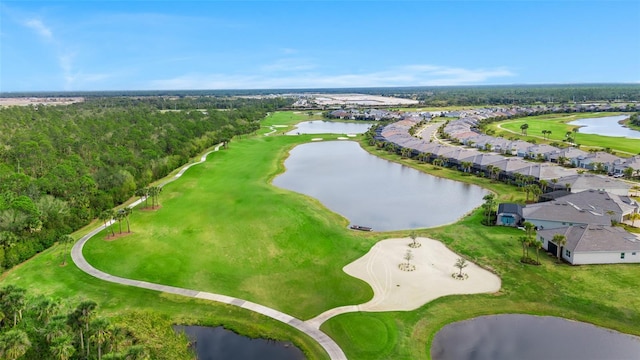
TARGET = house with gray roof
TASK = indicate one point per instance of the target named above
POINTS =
(592, 160)
(546, 171)
(593, 244)
(620, 165)
(569, 154)
(582, 182)
(589, 207)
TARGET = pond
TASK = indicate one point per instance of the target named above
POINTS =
(329, 127)
(374, 192)
(607, 126)
(513, 336)
(214, 343)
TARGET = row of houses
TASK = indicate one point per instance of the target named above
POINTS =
(463, 130)
(500, 166)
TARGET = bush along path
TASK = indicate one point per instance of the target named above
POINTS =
(330, 346)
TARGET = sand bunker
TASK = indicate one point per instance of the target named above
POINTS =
(395, 289)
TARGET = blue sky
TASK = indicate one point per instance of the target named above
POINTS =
(153, 45)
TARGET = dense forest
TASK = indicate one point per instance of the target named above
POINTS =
(42, 328)
(60, 166)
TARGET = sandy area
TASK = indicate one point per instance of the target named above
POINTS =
(24, 101)
(395, 289)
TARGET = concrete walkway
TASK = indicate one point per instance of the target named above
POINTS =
(309, 328)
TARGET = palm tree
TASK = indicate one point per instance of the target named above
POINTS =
(524, 241)
(143, 193)
(461, 263)
(414, 243)
(106, 216)
(13, 344)
(466, 165)
(65, 240)
(100, 334)
(489, 204)
(544, 133)
(543, 185)
(562, 160)
(538, 246)
(536, 192)
(154, 192)
(63, 348)
(524, 128)
(633, 217)
(12, 302)
(45, 308)
(560, 240)
(79, 320)
(126, 211)
(119, 216)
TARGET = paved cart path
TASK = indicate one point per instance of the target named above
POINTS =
(311, 329)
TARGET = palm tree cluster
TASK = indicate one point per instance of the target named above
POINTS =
(529, 240)
(40, 328)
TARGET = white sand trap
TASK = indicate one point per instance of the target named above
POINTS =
(280, 126)
(352, 135)
(316, 139)
(395, 289)
(342, 138)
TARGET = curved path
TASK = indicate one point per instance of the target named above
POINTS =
(309, 328)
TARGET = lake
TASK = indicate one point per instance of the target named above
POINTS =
(374, 192)
(215, 343)
(329, 127)
(607, 126)
(514, 336)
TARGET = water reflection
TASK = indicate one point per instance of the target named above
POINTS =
(370, 191)
(507, 337)
(607, 126)
(329, 127)
(220, 343)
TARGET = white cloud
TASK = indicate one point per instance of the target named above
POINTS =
(410, 75)
(39, 28)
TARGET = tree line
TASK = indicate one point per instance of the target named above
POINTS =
(43, 328)
(61, 166)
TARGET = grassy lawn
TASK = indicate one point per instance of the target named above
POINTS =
(44, 275)
(557, 124)
(223, 228)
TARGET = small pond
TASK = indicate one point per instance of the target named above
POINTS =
(329, 127)
(607, 126)
(219, 343)
(374, 192)
(513, 336)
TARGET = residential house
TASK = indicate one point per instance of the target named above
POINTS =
(596, 161)
(582, 182)
(593, 244)
(583, 208)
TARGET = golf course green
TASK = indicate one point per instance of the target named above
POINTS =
(223, 228)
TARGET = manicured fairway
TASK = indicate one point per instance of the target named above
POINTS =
(223, 228)
(557, 124)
